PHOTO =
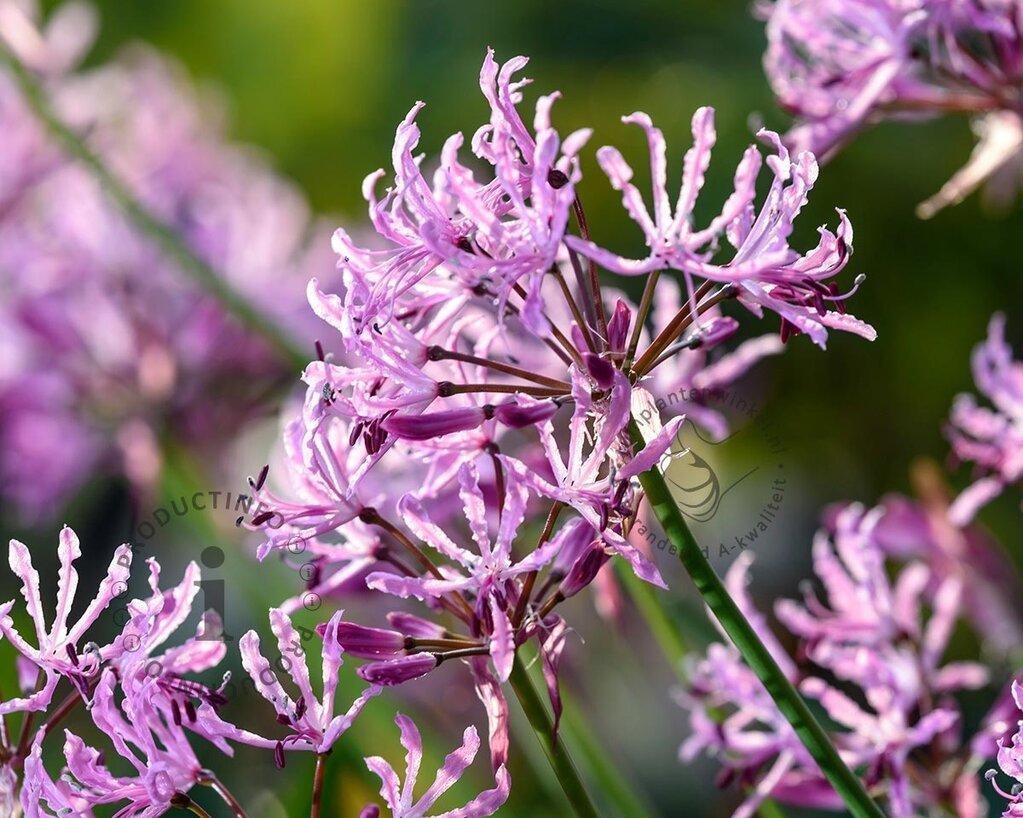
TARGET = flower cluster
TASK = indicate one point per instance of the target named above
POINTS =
(872, 654)
(490, 377)
(105, 342)
(839, 65)
(141, 692)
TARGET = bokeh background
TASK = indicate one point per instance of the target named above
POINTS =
(318, 86)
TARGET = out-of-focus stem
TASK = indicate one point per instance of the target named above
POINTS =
(139, 215)
(746, 640)
(557, 754)
(663, 629)
(592, 753)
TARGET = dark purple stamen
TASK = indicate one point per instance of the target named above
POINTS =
(262, 517)
(72, 654)
(557, 179)
(279, 755)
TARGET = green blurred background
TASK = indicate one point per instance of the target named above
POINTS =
(319, 85)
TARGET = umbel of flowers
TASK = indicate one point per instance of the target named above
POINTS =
(490, 374)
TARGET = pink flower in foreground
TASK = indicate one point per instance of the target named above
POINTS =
(312, 721)
(990, 438)
(144, 734)
(1010, 761)
(60, 650)
(492, 372)
(400, 797)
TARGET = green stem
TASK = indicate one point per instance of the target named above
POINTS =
(555, 751)
(163, 236)
(753, 651)
(593, 755)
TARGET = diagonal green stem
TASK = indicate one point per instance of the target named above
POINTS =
(555, 751)
(753, 651)
(163, 236)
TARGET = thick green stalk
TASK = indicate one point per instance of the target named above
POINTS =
(164, 237)
(753, 651)
(556, 752)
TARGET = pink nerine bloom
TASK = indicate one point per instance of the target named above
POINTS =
(841, 65)
(766, 271)
(991, 438)
(480, 336)
(59, 650)
(144, 734)
(1010, 761)
(311, 721)
(400, 797)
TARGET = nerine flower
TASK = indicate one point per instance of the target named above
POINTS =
(990, 438)
(840, 65)
(142, 732)
(765, 270)
(490, 376)
(60, 650)
(874, 661)
(144, 661)
(106, 343)
(1010, 761)
(400, 796)
(921, 530)
(312, 721)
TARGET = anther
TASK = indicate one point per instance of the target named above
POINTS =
(557, 179)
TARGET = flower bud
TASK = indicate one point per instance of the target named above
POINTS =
(522, 412)
(600, 369)
(618, 326)
(714, 331)
(368, 643)
(435, 424)
(584, 570)
(416, 626)
(398, 671)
